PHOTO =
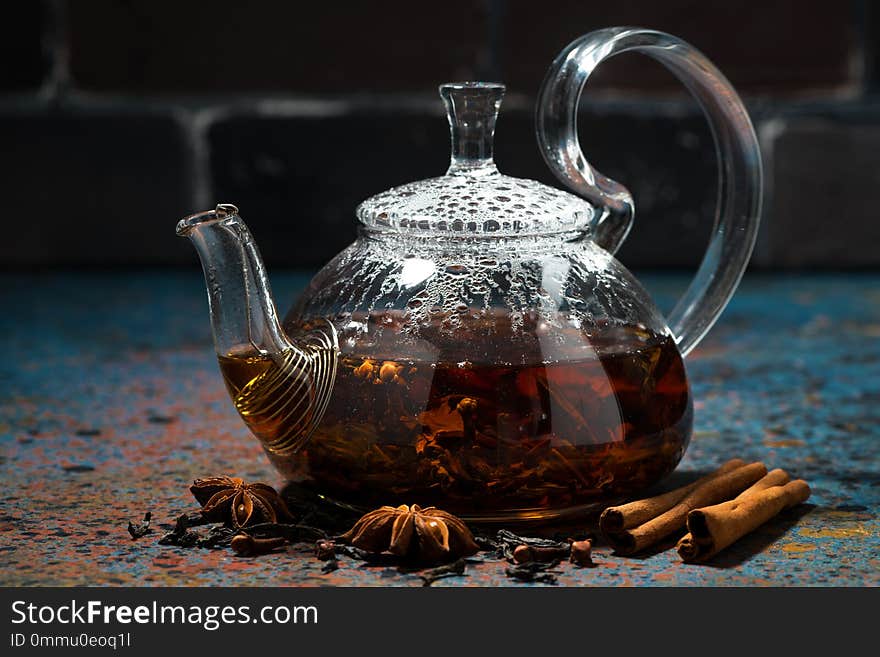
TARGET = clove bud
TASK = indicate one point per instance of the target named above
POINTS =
(528, 553)
(325, 550)
(245, 545)
(581, 553)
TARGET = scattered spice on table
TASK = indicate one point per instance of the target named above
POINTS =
(454, 569)
(78, 467)
(140, 529)
(713, 528)
(330, 565)
(717, 510)
(253, 520)
(161, 419)
(427, 535)
(294, 532)
(243, 503)
(582, 553)
(533, 571)
(617, 519)
(526, 553)
(325, 549)
(182, 535)
(245, 545)
(633, 527)
(506, 542)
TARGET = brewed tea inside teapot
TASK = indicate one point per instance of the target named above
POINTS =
(478, 347)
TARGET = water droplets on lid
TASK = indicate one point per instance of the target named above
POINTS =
(473, 197)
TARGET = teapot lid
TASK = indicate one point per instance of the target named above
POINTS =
(473, 197)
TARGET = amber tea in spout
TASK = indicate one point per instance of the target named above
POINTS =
(531, 428)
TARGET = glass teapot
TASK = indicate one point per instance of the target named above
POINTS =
(478, 347)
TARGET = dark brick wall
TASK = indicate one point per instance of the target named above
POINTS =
(826, 177)
(762, 47)
(24, 62)
(118, 117)
(92, 188)
(229, 46)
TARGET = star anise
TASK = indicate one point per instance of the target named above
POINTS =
(230, 499)
(426, 535)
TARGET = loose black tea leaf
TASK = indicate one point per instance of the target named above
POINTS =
(218, 536)
(141, 529)
(293, 532)
(372, 558)
(78, 467)
(453, 569)
(315, 512)
(161, 419)
(533, 572)
(181, 535)
(327, 550)
(185, 538)
(194, 518)
(487, 544)
(506, 542)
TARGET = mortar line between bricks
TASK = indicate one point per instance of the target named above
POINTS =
(865, 50)
(761, 108)
(56, 46)
(196, 127)
(768, 132)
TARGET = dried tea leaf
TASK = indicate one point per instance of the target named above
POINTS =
(142, 528)
(181, 535)
(454, 569)
(533, 571)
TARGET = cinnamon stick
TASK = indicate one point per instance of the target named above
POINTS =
(714, 528)
(726, 484)
(616, 519)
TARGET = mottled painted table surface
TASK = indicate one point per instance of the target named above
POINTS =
(112, 404)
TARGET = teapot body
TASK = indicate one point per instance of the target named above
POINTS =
(495, 378)
(478, 347)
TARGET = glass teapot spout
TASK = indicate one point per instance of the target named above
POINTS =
(293, 377)
(243, 314)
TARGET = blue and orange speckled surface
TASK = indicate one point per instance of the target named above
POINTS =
(112, 404)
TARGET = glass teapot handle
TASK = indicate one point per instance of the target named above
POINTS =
(739, 178)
